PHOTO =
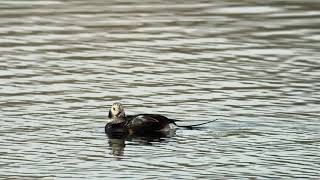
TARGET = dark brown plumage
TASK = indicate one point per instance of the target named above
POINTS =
(140, 123)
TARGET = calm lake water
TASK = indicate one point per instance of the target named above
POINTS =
(253, 65)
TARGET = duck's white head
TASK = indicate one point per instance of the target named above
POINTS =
(116, 111)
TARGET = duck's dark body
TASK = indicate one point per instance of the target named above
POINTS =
(140, 124)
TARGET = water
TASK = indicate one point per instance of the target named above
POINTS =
(252, 65)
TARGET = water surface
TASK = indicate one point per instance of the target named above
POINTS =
(252, 65)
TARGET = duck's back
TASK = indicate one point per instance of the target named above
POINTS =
(147, 122)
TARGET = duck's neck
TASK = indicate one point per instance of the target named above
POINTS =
(117, 119)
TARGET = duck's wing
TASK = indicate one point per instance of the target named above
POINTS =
(146, 122)
(159, 118)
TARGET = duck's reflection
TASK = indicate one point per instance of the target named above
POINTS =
(117, 140)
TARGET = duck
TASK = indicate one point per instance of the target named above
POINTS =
(140, 123)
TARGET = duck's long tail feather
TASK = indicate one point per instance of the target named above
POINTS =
(193, 125)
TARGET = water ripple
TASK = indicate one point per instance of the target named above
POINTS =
(251, 65)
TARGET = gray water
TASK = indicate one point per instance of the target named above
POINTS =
(253, 65)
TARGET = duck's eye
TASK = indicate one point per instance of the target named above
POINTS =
(114, 108)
